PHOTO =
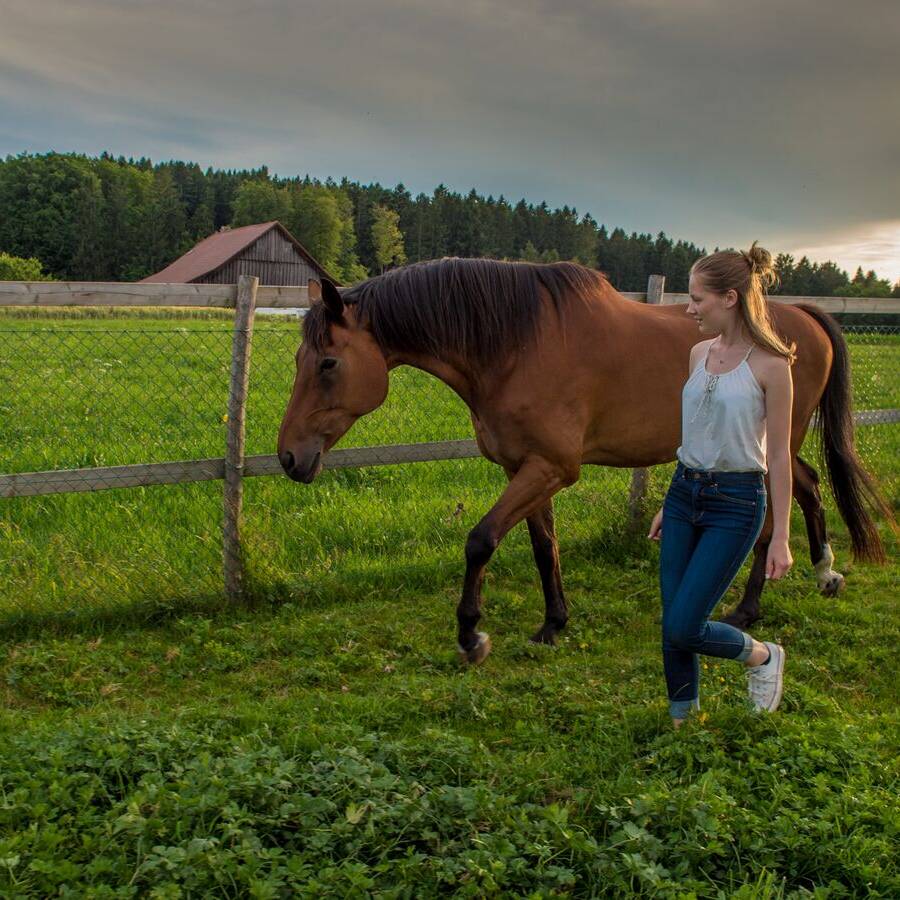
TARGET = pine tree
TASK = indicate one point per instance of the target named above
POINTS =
(828, 279)
(163, 223)
(90, 259)
(784, 268)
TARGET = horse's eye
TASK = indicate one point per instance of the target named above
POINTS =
(328, 364)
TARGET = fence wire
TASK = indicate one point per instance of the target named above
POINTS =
(82, 391)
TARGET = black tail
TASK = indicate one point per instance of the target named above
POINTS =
(853, 487)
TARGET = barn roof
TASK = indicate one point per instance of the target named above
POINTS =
(220, 248)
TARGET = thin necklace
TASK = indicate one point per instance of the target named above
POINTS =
(719, 351)
(708, 389)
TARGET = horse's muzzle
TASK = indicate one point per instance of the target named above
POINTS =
(303, 471)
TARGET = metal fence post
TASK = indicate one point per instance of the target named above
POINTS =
(234, 450)
(639, 477)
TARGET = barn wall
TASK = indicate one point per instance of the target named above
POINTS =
(272, 258)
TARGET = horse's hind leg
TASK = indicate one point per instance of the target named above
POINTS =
(747, 611)
(546, 556)
(806, 490)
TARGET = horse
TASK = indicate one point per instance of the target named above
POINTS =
(558, 370)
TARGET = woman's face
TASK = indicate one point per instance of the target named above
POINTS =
(712, 312)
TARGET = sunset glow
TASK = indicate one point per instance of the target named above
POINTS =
(875, 247)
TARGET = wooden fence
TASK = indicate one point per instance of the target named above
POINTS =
(245, 297)
(224, 296)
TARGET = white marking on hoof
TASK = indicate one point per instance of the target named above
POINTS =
(829, 581)
(478, 652)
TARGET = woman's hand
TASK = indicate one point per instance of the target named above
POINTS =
(656, 527)
(778, 559)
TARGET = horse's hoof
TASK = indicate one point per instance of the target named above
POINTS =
(544, 636)
(478, 653)
(742, 623)
(833, 585)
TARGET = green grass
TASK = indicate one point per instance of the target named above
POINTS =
(876, 370)
(91, 392)
(323, 741)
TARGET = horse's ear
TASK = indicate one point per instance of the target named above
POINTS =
(334, 303)
(314, 290)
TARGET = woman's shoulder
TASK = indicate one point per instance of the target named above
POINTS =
(769, 368)
(762, 356)
(699, 349)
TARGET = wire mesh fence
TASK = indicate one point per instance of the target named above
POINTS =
(139, 387)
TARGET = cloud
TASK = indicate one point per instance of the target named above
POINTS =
(875, 248)
(717, 122)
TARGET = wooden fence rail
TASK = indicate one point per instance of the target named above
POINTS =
(245, 297)
(74, 481)
(224, 296)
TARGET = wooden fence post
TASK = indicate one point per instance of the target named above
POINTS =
(234, 450)
(639, 477)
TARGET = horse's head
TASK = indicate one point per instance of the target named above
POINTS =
(341, 375)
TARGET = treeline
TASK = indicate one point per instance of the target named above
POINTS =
(117, 219)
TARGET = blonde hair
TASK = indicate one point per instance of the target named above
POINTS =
(749, 273)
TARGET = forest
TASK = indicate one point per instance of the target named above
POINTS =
(74, 217)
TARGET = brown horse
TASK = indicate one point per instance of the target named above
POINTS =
(558, 370)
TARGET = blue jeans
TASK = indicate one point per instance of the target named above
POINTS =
(711, 520)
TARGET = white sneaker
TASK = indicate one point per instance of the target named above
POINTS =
(766, 682)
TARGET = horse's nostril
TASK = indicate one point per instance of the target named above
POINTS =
(287, 461)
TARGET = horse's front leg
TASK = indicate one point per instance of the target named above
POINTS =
(529, 489)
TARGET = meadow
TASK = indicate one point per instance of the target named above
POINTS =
(321, 739)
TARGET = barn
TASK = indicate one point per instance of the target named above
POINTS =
(267, 250)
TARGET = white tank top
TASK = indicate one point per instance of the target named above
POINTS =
(723, 420)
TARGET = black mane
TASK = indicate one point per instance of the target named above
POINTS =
(474, 309)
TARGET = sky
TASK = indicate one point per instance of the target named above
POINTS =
(718, 122)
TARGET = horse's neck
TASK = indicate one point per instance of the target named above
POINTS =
(452, 376)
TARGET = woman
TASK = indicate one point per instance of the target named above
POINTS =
(736, 422)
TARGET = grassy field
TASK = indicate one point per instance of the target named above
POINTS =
(322, 740)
